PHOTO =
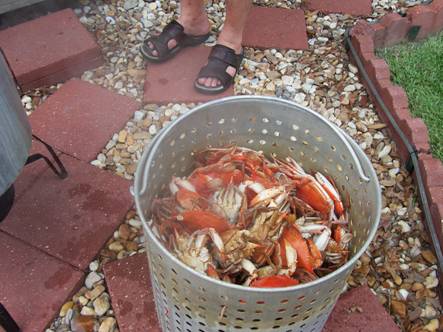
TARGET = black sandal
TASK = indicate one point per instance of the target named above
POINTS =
(219, 60)
(173, 30)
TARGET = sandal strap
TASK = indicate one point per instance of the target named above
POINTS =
(227, 55)
(220, 58)
(173, 30)
(216, 69)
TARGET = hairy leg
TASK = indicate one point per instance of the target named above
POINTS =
(232, 33)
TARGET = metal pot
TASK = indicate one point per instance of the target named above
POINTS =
(15, 135)
(189, 301)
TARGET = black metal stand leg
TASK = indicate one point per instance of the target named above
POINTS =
(6, 321)
(61, 171)
(6, 201)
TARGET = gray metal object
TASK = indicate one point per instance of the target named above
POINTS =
(15, 132)
(187, 301)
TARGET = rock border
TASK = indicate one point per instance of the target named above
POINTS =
(418, 23)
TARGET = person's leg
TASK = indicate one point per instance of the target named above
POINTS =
(193, 18)
(232, 33)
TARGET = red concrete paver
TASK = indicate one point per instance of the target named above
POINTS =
(34, 170)
(131, 294)
(33, 285)
(73, 218)
(347, 315)
(80, 118)
(354, 7)
(49, 49)
(276, 28)
(173, 81)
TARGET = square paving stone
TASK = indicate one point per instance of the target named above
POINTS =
(131, 294)
(360, 310)
(33, 285)
(80, 118)
(351, 7)
(49, 49)
(173, 80)
(73, 218)
(276, 28)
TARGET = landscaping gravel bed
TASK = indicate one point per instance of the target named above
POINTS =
(399, 265)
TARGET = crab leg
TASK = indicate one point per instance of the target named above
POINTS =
(274, 281)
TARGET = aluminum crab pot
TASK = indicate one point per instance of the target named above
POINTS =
(187, 301)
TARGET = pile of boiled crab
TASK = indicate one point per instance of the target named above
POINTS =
(255, 221)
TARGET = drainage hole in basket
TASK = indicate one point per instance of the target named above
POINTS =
(295, 127)
(309, 309)
(276, 327)
(163, 292)
(297, 307)
(187, 308)
(178, 328)
(188, 330)
(260, 302)
(241, 310)
(174, 290)
(301, 298)
(241, 301)
(254, 328)
(189, 324)
(284, 301)
(186, 280)
(293, 138)
(265, 120)
(256, 320)
(333, 148)
(258, 311)
(237, 327)
(291, 323)
(219, 330)
(262, 142)
(302, 326)
(202, 323)
(278, 318)
(176, 307)
(281, 310)
(201, 315)
(313, 301)
(177, 321)
(200, 330)
(202, 308)
(239, 319)
(250, 141)
(294, 315)
(222, 323)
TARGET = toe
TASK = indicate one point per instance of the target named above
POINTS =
(201, 80)
(208, 82)
(215, 82)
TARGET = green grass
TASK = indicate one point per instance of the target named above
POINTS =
(418, 68)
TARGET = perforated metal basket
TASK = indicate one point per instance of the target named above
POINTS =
(188, 301)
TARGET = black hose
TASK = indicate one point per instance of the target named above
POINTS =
(412, 162)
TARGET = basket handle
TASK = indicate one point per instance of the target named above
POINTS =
(144, 172)
(355, 159)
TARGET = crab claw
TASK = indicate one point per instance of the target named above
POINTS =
(292, 237)
(274, 281)
(310, 191)
(332, 192)
(190, 200)
(199, 219)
